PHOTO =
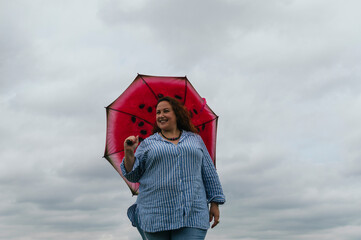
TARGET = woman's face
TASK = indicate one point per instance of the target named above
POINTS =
(165, 116)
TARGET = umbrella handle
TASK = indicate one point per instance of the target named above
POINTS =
(129, 142)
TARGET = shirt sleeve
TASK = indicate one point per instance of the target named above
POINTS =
(138, 168)
(210, 178)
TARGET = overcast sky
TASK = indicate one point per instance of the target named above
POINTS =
(284, 77)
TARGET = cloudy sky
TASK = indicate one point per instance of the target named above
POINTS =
(283, 76)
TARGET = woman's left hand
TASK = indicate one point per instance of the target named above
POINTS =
(214, 214)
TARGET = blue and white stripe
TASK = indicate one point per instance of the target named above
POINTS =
(177, 181)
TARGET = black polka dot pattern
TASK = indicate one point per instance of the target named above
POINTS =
(140, 123)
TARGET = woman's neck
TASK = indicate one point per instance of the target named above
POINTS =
(173, 136)
(171, 132)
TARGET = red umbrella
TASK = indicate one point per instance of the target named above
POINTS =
(133, 113)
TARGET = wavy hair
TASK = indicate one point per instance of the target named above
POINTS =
(182, 114)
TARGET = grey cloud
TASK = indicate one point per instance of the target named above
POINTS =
(282, 76)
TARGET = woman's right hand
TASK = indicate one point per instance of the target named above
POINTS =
(134, 140)
(129, 152)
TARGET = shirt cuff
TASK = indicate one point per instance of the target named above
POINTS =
(122, 168)
(124, 171)
(220, 199)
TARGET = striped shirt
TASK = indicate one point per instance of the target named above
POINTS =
(177, 181)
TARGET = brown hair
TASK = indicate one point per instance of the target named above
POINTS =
(182, 115)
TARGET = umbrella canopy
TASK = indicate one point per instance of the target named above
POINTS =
(133, 113)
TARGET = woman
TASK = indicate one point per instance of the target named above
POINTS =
(176, 175)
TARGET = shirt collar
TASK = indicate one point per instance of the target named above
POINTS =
(184, 135)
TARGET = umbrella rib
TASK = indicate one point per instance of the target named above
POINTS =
(130, 115)
(185, 90)
(207, 121)
(149, 87)
(105, 156)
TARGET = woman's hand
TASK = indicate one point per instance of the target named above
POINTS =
(214, 214)
(131, 143)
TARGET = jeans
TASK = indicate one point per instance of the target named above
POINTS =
(186, 233)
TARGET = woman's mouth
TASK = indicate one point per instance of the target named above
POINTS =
(162, 120)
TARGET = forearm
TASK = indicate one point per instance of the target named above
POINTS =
(212, 183)
(130, 144)
(129, 160)
(213, 188)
